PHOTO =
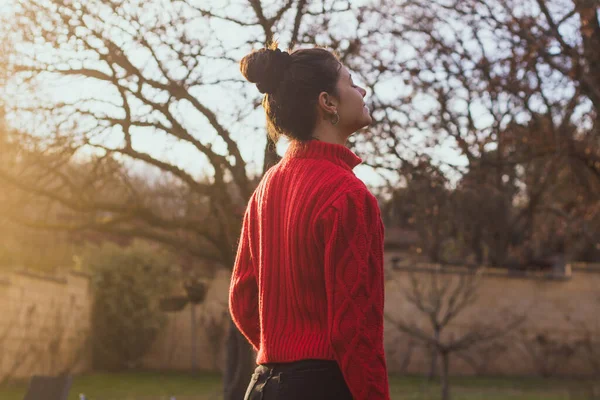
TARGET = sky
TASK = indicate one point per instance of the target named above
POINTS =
(249, 135)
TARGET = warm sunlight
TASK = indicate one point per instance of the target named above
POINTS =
(431, 232)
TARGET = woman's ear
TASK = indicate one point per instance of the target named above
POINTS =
(327, 103)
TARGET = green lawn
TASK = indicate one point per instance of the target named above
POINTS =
(471, 388)
(161, 386)
(136, 386)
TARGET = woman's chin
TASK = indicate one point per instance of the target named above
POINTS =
(367, 115)
(362, 126)
(364, 122)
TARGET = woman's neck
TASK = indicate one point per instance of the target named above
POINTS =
(328, 138)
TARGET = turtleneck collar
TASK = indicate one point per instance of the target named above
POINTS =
(336, 153)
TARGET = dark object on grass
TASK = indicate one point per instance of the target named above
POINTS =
(49, 387)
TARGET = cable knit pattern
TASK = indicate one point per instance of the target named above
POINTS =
(308, 275)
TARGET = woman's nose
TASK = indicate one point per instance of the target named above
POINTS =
(363, 91)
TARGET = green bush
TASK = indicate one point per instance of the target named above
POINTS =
(127, 284)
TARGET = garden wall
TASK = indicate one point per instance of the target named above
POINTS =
(173, 348)
(44, 323)
(560, 333)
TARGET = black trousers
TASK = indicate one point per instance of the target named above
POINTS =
(298, 380)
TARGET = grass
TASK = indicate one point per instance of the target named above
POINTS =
(207, 386)
(135, 386)
(495, 388)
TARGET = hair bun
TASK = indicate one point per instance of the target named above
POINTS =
(265, 67)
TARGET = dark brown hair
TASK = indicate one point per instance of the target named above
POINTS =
(292, 83)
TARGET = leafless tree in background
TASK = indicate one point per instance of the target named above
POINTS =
(159, 70)
(547, 351)
(512, 88)
(439, 298)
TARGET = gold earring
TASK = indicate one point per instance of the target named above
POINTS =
(337, 119)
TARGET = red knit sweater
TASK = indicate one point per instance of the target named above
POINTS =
(308, 275)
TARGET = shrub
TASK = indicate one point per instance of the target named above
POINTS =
(126, 317)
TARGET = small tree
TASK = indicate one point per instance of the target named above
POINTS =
(480, 357)
(441, 297)
(126, 316)
(547, 353)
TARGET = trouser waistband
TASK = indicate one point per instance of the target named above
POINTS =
(301, 364)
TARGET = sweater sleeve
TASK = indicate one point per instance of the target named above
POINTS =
(353, 232)
(243, 289)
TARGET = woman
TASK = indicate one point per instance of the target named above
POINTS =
(307, 288)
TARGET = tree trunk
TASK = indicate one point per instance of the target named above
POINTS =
(590, 35)
(239, 366)
(444, 376)
(194, 355)
(434, 357)
(476, 246)
(433, 364)
(240, 357)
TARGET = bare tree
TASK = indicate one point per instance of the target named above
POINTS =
(439, 297)
(425, 205)
(547, 352)
(480, 356)
(154, 70)
(511, 87)
(147, 71)
(484, 65)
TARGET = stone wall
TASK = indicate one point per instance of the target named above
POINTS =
(559, 333)
(558, 311)
(45, 320)
(44, 323)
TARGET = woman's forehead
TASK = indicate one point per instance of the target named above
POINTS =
(344, 73)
